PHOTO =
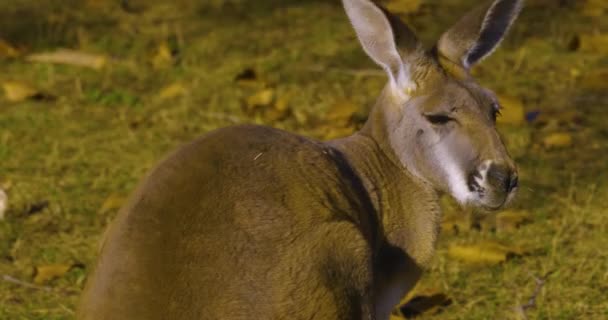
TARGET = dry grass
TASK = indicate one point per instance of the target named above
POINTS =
(106, 128)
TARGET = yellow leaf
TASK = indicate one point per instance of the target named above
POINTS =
(403, 6)
(510, 220)
(282, 103)
(172, 91)
(49, 272)
(512, 111)
(17, 91)
(262, 98)
(594, 43)
(557, 140)
(112, 203)
(163, 58)
(70, 57)
(483, 253)
(594, 8)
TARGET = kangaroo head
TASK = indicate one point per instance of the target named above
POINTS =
(436, 120)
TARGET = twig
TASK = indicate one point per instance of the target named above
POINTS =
(18, 282)
(540, 283)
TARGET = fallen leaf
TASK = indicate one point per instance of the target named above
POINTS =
(3, 203)
(112, 203)
(282, 103)
(512, 111)
(262, 98)
(172, 91)
(593, 43)
(18, 92)
(43, 274)
(71, 57)
(595, 79)
(557, 140)
(403, 6)
(483, 253)
(511, 220)
(163, 57)
(594, 8)
(7, 50)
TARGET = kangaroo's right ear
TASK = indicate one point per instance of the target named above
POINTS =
(384, 38)
(479, 32)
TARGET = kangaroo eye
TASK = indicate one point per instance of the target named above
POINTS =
(495, 114)
(495, 111)
(438, 119)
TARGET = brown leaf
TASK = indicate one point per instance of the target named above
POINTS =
(18, 92)
(483, 253)
(113, 203)
(557, 140)
(403, 6)
(49, 272)
(71, 57)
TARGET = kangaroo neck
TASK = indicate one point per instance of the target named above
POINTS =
(406, 206)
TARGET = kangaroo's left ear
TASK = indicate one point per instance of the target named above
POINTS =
(479, 32)
(384, 38)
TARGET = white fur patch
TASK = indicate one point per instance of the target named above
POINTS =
(483, 172)
(457, 181)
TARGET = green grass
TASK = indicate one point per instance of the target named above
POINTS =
(106, 128)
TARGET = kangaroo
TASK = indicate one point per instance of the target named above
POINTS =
(251, 222)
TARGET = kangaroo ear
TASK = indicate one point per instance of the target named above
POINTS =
(479, 32)
(384, 38)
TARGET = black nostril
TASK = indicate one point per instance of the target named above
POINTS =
(500, 176)
(513, 183)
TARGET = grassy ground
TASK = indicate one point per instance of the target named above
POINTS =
(67, 162)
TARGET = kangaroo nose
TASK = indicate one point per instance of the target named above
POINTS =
(502, 176)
